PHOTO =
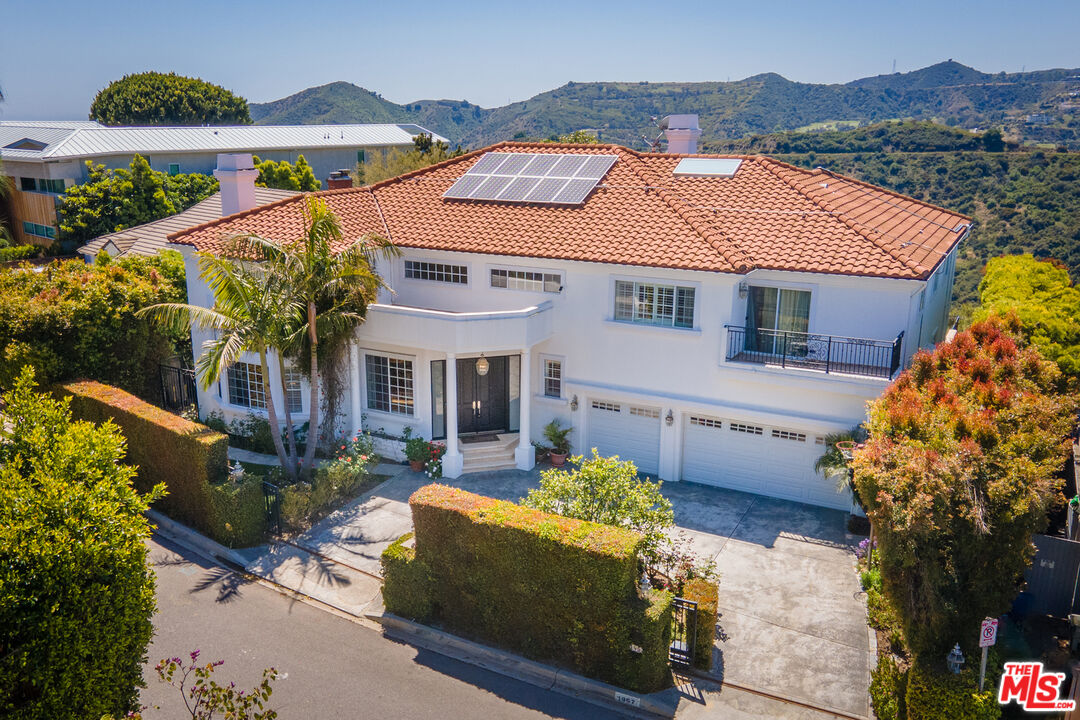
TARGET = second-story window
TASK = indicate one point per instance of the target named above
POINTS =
(526, 280)
(437, 272)
(654, 304)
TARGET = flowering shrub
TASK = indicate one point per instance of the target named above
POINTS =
(348, 473)
(864, 547)
(434, 464)
(204, 698)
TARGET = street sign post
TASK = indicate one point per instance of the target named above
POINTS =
(987, 637)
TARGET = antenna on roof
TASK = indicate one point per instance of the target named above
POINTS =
(654, 145)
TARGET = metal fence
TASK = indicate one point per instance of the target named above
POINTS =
(828, 353)
(178, 390)
(272, 507)
(683, 631)
(1053, 580)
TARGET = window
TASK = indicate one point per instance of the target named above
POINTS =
(28, 184)
(361, 157)
(772, 315)
(42, 185)
(609, 407)
(553, 378)
(705, 422)
(652, 304)
(38, 230)
(645, 412)
(748, 429)
(438, 399)
(439, 272)
(174, 168)
(390, 384)
(788, 435)
(293, 397)
(246, 385)
(526, 280)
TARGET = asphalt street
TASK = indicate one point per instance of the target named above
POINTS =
(331, 667)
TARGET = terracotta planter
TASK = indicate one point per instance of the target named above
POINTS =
(416, 465)
(557, 460)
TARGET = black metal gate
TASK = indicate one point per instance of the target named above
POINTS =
(178, 388)
(272, 505)
(683, 631)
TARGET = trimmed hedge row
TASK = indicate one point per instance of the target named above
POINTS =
(552, 588)
(19, 252)
(707, 597)
(189, 458)
(935, 694)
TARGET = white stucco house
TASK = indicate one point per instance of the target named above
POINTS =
(711, 318)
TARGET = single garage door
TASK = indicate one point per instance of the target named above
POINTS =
(743, 455)
(630, 431)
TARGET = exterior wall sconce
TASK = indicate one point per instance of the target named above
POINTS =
(744, 289)
(573, 404)
(670, 419)
(482, 366)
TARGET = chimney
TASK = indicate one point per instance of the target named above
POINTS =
(236, 174)
(682, 134)
(339, 179)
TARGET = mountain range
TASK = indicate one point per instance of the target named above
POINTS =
(1039, 106)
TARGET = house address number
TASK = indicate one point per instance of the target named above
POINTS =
(626, 699)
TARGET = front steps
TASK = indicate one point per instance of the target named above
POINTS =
(487, 456)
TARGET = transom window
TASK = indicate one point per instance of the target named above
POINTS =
(552, 377)
(609, 407)
(437, 272)
(653, 304)
(526, 280)
(293, 397)
(246, 385)
(389, 384)
(645, 412)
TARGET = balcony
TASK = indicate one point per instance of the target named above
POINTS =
(448, 331)
(823, 353)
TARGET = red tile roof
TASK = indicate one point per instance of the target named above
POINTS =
(770, 215)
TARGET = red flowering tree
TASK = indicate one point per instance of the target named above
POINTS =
(957, 474)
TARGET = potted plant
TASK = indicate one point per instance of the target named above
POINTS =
(418, 452)
(558, 437)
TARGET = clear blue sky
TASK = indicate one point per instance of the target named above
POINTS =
(56, 55)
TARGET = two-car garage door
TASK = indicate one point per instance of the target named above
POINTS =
(757, 458)
(630, 431)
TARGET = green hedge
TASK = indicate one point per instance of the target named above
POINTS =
(407, 587)
(935, 694)
(19, 252)
(888, 684)
(237, 512)
(707, 597)
(555, 589)
(188, 457)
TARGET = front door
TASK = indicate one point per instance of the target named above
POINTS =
(483, 400)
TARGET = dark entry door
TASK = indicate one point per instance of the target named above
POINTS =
(483, 400)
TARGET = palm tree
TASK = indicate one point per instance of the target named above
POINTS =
(250, 314)
(832, 463)
(331, 284)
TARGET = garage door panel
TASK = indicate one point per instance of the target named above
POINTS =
(630, 431)
(742, 455)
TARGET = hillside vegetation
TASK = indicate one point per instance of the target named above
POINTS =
(622, 112)
(1023, 201)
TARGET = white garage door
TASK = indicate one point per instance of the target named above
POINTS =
(630, 431)
(773, 461)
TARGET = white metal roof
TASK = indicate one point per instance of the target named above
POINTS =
(70, 142)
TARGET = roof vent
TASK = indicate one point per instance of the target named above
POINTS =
(26, 144)
(707, 167)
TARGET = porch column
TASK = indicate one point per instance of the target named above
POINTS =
(524, 454)
(453, 462)
(354, 386)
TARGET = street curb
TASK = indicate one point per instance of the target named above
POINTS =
(662, 704)
(194, 539)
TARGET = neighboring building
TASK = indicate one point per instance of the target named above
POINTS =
(710, 318)
(44, 158)
(150, 238)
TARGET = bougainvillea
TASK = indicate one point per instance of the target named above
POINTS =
(957, 474)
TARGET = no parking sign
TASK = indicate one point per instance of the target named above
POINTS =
(988, 635)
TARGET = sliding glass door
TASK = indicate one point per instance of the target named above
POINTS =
(777, 320)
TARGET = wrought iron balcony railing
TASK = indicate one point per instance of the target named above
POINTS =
(827, 353)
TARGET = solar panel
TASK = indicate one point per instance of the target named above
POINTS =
(554, 178)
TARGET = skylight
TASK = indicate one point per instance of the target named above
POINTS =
(550, 178)
(707, 167)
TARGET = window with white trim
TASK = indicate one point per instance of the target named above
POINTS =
(437, 272)
(389, 384)
(526, 280)
(294, 398)
(246, 385)
(552, 377)
(654, 304)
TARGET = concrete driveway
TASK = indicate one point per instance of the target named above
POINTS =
(790, 599)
